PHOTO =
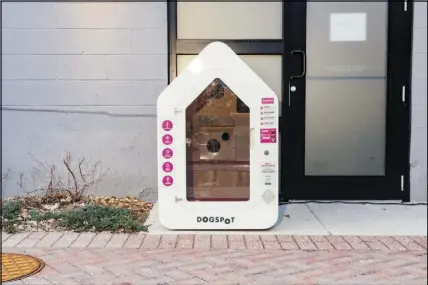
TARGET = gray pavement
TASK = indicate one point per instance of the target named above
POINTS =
(334, 219)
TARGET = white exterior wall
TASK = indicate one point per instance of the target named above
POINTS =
(418, 151)
(83, 78)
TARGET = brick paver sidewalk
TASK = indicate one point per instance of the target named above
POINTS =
(222, 259)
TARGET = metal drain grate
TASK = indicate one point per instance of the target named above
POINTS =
(17, 266)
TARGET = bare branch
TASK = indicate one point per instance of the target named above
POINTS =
(76, 186)
(21, 184)
(5, 174)
(54, 187)
(81, 171)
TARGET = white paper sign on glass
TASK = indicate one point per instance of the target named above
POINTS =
(217, 125)
(348, 27)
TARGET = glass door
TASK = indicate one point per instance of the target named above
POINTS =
(342, 103)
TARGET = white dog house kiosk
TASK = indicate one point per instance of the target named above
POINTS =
(218, 146)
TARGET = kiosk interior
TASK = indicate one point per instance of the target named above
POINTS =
(218, 146)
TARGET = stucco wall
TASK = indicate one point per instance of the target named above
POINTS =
(418, 153)
(83, 78)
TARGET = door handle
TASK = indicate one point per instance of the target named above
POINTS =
(293, 52)
(303, 74)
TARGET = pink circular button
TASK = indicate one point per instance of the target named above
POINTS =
(167, 167)
(167, 125)
(167, 153)
(167, 180)
(167, 139)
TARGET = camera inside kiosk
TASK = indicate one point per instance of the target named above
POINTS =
(218, 146)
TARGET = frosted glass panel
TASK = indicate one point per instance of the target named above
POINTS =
(268, 67)
(345, 127)
(349, 57)
(346, 88)
(229, 20)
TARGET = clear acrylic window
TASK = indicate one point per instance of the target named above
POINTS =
(218, 146)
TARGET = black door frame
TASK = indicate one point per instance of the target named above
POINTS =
(400, 37)
(194, 46)
(389, 187)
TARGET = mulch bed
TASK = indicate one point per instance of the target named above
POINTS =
(59, 202)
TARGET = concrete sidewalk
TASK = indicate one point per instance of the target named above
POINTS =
(333, 219)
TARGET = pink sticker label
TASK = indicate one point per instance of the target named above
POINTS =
(167, 180)
(167, 167)
(167, 139)
(267, 135)
(167, 153)
(268, 100)
(167, 125)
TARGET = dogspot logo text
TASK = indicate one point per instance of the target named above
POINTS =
(215, 220)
